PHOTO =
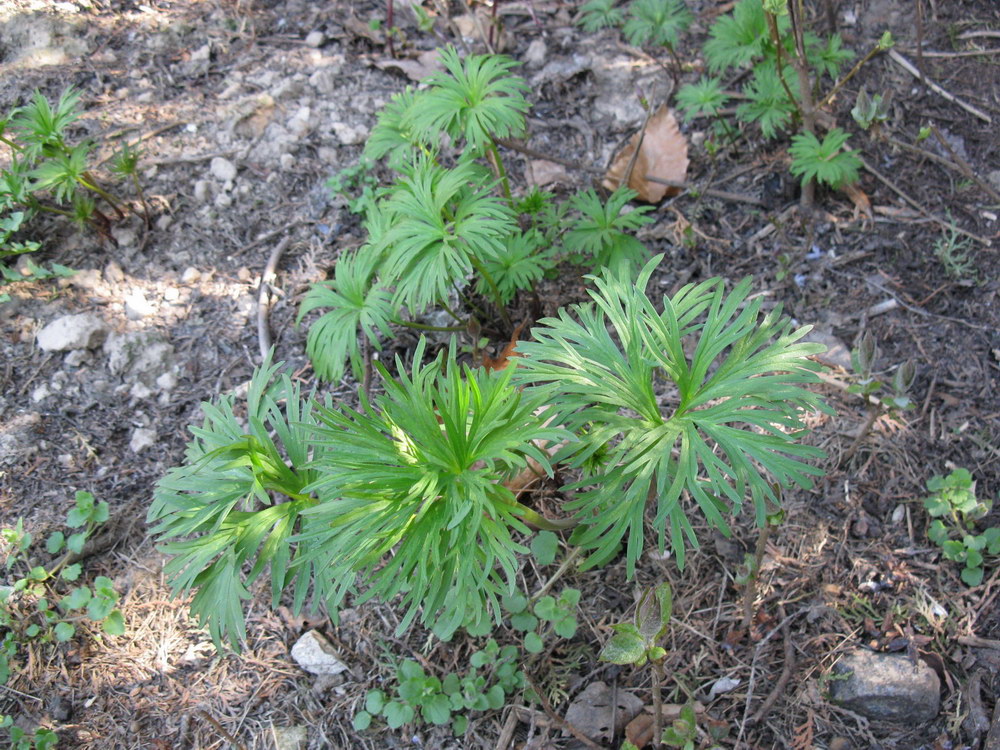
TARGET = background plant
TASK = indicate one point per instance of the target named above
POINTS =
(41, 606)
(493, 674)
(955, 510)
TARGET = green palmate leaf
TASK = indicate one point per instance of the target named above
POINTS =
(604, 232)
(733, 416)
(599, 14)
(519, 265)
(828, 57)
(442, 226)
(656, 22)
(358, 306)
(393, 133)
(544, 546)
(824, 162)
(477, 100)
(40, 127)
(419, 475)
(218, 508)
(62, 173)
(705, 98)
(767, 102)
(741, 38)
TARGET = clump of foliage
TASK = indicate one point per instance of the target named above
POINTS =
(41, 606)
(48, 173)
(680, 405)
(786, 64)
(450, 214)
(493, 674)
(955, 509)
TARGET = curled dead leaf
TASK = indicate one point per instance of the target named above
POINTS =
(663, 154)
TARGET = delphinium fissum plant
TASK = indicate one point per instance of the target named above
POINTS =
(656, 425)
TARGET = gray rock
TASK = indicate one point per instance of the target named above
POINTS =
(536, 53)
(315, 654)
(886, 687)
(315, 38)
(140, 355)
(223, 169)
(18, 439)
(83, 331)
(290, 738)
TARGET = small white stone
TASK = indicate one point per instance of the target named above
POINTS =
(223, 169)
(137, 306)
(203, 53)
(167, 381)
(83, 331)
(222, 200)
(315, 654)
(163, 223)
(534, 57)
(286, 162)
(40, 393)
(315, 38)
(190, 275)
(142, 438)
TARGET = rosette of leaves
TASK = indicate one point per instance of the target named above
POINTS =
(237, 500)
(412, 492)
(656, 22)
(475, 101)
(712, 425)
(443, 223)
(602, 232)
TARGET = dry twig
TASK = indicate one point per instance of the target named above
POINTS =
(911, 69)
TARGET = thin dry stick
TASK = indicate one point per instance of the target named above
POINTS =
(963, 53)
(917, 207)
(560, 721)
(221, 730)
(264, 296)
(507, 733)
(786, 672)
(753, 673)
(750, 591)
(911, 69)
(638, 147)
(964, 166)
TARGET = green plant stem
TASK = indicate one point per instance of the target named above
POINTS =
(501, 172)
(142, 196)
(497, 298)
(536, 519)
(840, 84)
(53, 210)
(88, 181)
(750, 590)
(13, 146)
(772, 25)
(658, 679)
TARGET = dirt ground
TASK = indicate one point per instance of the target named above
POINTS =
(244, 112)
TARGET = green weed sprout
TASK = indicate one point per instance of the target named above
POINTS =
(954, 507)
(599, 14)
(638, 642)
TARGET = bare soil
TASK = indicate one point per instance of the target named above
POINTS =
(852, 565)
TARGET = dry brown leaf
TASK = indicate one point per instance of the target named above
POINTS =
(640, 730)
(599, 712)
(862, 205)
(542, 173)
(416, 70)
(663, 154)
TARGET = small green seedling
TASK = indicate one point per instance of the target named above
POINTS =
(492, 675)
(549, 612)
(40, 608)
(638, 642)
(954, 507)
(880, 398)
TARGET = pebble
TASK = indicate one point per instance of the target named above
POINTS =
(315, 654)
(142, 438)
(315, 38)
(190, 275)
(223, 169)
(201, 191)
